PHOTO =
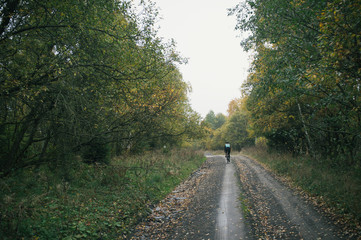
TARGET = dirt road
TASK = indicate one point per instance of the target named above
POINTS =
(240, 200)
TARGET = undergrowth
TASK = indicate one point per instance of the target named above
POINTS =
(338, 186)
(89, 201)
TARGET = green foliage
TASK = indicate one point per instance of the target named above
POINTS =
(74, 72)
(97, 151)
(235, 129)
(214, 121)
(97, 201)
(261, 142)
(303, 92)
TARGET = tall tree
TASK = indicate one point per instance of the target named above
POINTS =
(304, 84)
(215, 121)
(76, 74)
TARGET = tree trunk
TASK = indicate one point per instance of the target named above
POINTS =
(310, 146)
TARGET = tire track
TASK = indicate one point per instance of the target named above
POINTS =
(230, 221)
(275, 211)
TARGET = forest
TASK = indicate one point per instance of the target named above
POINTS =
(92, 109)
(303, 91)
(299, 111)
(96, 124)
(87, 78)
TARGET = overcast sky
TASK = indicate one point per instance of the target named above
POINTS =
(204, 33)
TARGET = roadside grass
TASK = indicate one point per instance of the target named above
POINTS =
(90, 201)
(336, 188)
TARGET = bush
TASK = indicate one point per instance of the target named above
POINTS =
(261, 142)
(96, 151)
(95, 201)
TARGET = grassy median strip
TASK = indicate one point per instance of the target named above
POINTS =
(90, 201)
(339, 187)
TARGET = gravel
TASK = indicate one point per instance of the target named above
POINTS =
(268, 208)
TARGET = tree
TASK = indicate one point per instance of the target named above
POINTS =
(235, 129)
(210, 119)
(304, 83)
(78, 73)
(215, 121)
(214, 125)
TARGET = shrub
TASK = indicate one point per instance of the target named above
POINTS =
(96, 151)
(94, 201)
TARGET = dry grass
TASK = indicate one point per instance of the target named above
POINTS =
(336, 188)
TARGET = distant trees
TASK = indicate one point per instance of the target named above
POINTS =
(237, 128)
(215, 121)
(213, 124)
(234, 128)
(80, 76)
(303, 92)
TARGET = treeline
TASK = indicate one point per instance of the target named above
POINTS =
(88, 78)
(233, 128)
(303, 91)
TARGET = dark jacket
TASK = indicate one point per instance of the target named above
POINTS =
(227, 148)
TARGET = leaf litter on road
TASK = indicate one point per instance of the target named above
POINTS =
(168, 212)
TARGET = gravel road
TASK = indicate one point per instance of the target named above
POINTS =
(240, 200)
(277, 212)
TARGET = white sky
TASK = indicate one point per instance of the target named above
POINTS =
(204, 33)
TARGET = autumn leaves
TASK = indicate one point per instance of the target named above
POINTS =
(303, 91)
(74, 73)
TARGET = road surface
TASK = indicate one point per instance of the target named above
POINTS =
(230, 219)
(240, 200)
